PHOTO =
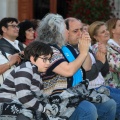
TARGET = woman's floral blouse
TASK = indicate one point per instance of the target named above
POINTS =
(113, 55)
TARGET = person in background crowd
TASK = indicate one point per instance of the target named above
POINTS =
(52, 30)
(0, 36)
(26, 32)
(99, 33)
(36, 24)
(10, 48)
(114, 52)
(85, 27)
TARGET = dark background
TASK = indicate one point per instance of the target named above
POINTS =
(41, 8)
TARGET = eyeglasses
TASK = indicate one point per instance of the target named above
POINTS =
(45, 59)
(14, 26)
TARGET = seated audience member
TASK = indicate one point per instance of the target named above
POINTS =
(52, 30)
(99, 32)
(10, 48)
(0, 36)
(26, 32)
(21, 90)
(85, 27)
(114, 52)
(101, 65)
(35, 24)
(6, 66)
(112, 79)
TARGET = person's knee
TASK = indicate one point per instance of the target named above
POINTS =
(87, 108)
(112, 104)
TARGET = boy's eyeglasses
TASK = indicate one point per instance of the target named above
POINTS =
(14, 26)
(45, 59)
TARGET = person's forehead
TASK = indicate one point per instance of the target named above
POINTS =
(101, 28)
(12, 22)
(75, 23)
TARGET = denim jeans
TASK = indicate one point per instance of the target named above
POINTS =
(115, 94)
(84, 111)
(89, 111)
(106, 110)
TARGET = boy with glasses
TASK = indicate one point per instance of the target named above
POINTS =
(21, 90)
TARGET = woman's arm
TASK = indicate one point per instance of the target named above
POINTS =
(68, 69)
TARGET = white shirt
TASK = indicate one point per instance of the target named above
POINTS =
(13, 43)
(99, 80)
(3, 60)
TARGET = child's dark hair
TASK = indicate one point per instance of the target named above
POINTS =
(36, 49)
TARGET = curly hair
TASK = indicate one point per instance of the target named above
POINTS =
(51, 29)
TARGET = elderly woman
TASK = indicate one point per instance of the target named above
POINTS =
(52, 30)
(114, 52)
(100, 35)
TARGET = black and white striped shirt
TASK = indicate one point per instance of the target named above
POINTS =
(20, 85)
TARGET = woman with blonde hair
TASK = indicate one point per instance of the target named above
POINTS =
(114, 51)
(100, 35)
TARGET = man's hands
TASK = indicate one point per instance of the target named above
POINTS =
(15, 58)
(84, 43)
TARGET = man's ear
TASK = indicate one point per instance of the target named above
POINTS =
(4, 29)
(32, 59)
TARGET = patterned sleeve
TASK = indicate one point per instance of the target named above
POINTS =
(95, 48)
(57, 58)
(113, 56)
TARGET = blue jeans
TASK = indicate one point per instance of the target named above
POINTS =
(89, 111)
(115, 94)
(107, 110)
(84, 111)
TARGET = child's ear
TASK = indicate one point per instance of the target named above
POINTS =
(32, 59)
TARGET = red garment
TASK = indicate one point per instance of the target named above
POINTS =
(27, 42)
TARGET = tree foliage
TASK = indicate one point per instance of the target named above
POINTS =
(90, 10)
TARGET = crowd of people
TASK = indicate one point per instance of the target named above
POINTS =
(59, 69)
